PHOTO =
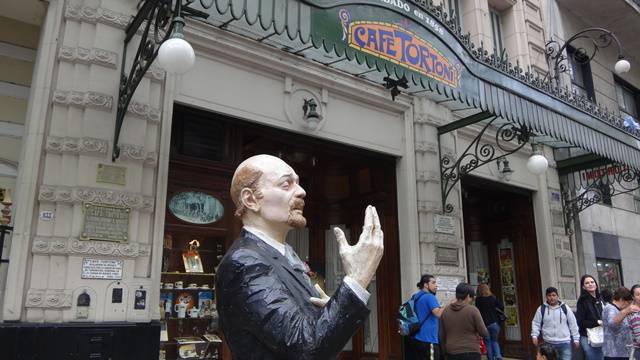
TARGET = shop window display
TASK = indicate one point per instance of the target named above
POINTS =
(609, 274)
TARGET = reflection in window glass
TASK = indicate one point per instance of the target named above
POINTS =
(609, 274)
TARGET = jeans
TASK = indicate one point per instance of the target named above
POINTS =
(491, 342)
(564, 350)
(590, 352)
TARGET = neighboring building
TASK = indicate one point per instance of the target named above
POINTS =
(94, 239)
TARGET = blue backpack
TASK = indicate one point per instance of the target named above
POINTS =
(408, 321)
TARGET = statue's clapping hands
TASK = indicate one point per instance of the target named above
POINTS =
(361, 260)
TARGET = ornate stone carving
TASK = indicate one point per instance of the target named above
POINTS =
(74, 246)
(48, 298)
(137, 153)
(424, 146)
(428, 176)
(84, 146)
(144, 111)
(155, 73)
(79, 195)
(440, 239)
(97, 15)
(88, 56)
(83, 99)
(429, 206)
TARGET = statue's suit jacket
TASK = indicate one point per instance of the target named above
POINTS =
(265, 312)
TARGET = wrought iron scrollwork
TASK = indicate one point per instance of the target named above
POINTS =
(593, 186)
(597, 38)
(157, 18)
(509, 138)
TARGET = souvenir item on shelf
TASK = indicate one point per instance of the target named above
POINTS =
(193, 286)
(168, 286)
(194, 312)
(181, 310)
(179, 284)
(191, 257)
(187, 298)
(168, 303)
(191, 347)
(205, 301)
(168, 241)
(204, 286)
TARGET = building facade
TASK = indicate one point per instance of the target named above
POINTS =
(258, 68)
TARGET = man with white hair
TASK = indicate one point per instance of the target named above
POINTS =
(268, 308)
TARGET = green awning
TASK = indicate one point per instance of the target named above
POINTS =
(372, 39)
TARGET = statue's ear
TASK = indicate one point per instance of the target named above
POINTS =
(249, 199)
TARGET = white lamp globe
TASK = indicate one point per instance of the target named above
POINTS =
(622, 66)
(537, 164)
(176, 55)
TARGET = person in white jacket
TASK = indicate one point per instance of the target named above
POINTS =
(557, 324)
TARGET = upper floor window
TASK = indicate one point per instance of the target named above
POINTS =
(454, 10)
(627, 98)
(580, 71)
(496, 30)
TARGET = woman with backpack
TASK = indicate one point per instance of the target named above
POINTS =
(589, 316)
(425, 342)
(489, 306)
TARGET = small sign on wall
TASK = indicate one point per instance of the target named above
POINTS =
(47, 215)
(105, 269)
(111, 174)
(444, 224)
(447, 256)
(103, 222)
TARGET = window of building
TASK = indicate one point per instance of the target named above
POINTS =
(609, 273)
(627, 98)
(454, 10)
(580, 71)
(496, 30)
(605, 189)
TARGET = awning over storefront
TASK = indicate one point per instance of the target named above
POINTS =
(373, 39)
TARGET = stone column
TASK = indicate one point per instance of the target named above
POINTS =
(68, 143)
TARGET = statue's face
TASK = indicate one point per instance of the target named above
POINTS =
(282, 196)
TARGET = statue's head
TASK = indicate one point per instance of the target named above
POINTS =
(266, 190)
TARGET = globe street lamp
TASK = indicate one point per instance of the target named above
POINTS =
(597, 38)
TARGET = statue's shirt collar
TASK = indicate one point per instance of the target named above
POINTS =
(270, 241)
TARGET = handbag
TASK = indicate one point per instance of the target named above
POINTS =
(595, 336)
(501, 316)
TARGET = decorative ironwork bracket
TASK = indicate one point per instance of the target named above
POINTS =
(593, 185)
(162, 16)
(509, 138)
(393, 85)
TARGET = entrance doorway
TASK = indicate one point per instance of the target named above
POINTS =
(502, 252)
(339, 180)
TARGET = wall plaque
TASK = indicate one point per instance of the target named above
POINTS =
(567, 267)
(103, 222)
(102, 269)
(444, 224)
(447, 256)
(111, 174)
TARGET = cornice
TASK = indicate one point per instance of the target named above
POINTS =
(49, 245)
(79, 195)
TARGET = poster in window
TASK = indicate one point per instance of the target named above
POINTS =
(140, 301)
(191, 258)
(506, 259)
(506, 275)
(608, 274)
(512, 315)
(509, 295)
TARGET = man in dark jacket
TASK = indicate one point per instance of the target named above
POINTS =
(268, 308)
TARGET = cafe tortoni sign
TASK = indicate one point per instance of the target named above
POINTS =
(403, 35)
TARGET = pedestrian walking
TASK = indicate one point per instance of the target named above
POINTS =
(425, 341)
(633, 320)
(589, 316)
(489, 305)
(555, 321)
(617, 332)
(460, 325)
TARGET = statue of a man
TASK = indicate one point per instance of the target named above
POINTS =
(268, 308)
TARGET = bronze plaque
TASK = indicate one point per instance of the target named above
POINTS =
(447, 256)
(104, 222)
(111, 174)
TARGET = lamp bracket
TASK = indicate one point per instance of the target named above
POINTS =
(587, 187)
(391, 84)
(155, 21)
(509, 138)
